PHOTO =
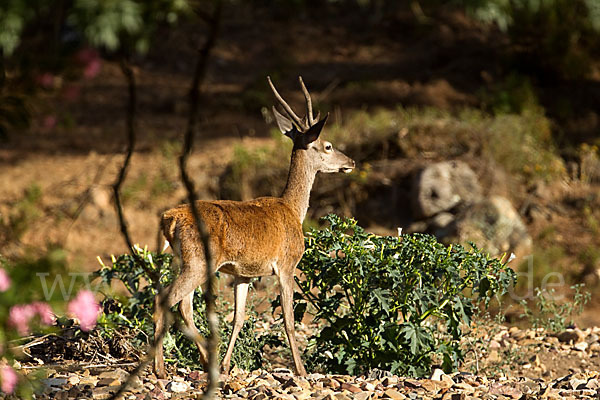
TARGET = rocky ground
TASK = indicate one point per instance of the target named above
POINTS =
(513, 363)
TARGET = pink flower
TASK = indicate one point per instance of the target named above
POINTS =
(85, 308)
(92, 68)
(20, 315)
(45, 80)
(8, 378)
(44, 311)
(86, 55)
(91, 61)
(4, 280)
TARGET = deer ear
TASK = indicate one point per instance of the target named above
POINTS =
(313, 133)
(285, 125)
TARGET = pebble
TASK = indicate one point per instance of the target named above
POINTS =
(393, 394)
(571, 336)
(581, 346)
(178, 387)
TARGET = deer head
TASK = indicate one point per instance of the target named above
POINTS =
(305, 133)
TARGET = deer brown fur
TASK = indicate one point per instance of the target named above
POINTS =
(253, 238)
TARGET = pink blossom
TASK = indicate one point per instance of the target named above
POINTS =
(85, 308)
(92, 68)
(20, 315)
(91, 61)
(45, 80)
(4, 280)
(44, 311)
(86, 55)
(8, 378)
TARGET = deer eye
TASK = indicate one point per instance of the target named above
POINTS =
(328, 147)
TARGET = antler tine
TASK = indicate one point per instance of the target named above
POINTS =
(285, 105)
(309, 110)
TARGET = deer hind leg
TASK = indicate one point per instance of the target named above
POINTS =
(241, 293)
(186, 310)
(286, 281)
(192, 276)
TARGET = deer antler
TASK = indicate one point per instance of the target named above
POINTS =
(309, 110)
(303, 124)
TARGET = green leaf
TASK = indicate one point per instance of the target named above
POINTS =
(381, 296)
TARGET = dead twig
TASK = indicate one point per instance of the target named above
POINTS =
(130, 128)
(194, 101)
(199, 75)
(194, 97)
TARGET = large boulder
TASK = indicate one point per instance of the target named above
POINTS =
(494, 225)
(442, 187)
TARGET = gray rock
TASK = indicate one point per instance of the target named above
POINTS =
(393, 394)
(442, 224)
(55, 382)
(495, 226)
(593, 384)
(102, 393)
(118, 373)
(578, 383)
(592, 338)
(581, 346)
(443, 186)
(178, 387)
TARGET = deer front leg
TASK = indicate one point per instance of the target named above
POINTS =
(241, 292)
(286, 281)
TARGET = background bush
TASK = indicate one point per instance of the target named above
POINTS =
(556, 36)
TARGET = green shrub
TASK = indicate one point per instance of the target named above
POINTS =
(392, 303)
(558, 36)
(22, 215)
(134, 311)
(554, 316)
(514, 95)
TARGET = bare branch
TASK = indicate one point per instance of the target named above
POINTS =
(194, 99)
(199, 75)
(130, 127)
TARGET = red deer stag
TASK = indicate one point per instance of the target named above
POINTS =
(253, 238)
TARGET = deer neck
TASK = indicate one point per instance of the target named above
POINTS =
(299, 183)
